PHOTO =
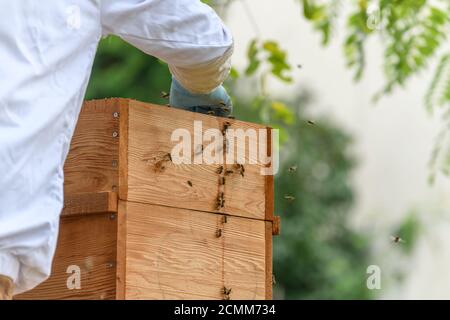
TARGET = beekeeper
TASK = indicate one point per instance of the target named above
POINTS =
(47, 49)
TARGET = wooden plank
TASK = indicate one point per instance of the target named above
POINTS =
(124, 147)
(88, 242)
(121, 251)
(196, 186)
(178, 254)
(269, 261)
(89, 203)
(269, 189)
(92, 162)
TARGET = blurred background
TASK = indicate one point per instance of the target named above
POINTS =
(360, 91)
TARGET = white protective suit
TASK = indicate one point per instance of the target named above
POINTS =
(47, 50)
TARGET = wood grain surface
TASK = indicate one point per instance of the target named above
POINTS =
(88, 242)
(191, 186)
(89, 203)
(178, 254)
(92, 162)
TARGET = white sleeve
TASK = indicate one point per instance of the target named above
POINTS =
(186, 34)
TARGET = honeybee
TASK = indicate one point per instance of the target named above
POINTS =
(218, 233)
(159, 166)
(240, 168)
(190, 183)
(226, 291)
(292, 169)
(228, 172)
(220, 203)
(311, 122)
(219, 170)
(397, 239)
(226, 125)
(165, 95)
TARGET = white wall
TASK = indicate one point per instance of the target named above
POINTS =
(394, 139)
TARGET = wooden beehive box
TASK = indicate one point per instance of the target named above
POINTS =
(138, 225)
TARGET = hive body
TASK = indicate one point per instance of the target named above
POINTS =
(136, 225)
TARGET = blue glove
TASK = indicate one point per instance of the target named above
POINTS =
(216, 103)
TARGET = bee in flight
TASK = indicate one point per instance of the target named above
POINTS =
(165, 95)
(397, 239)
(289, 198)
(292, 169)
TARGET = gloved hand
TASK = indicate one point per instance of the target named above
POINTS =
(216, 103)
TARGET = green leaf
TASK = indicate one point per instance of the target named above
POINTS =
(283, 112)
(252, 54)
(278, 60)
